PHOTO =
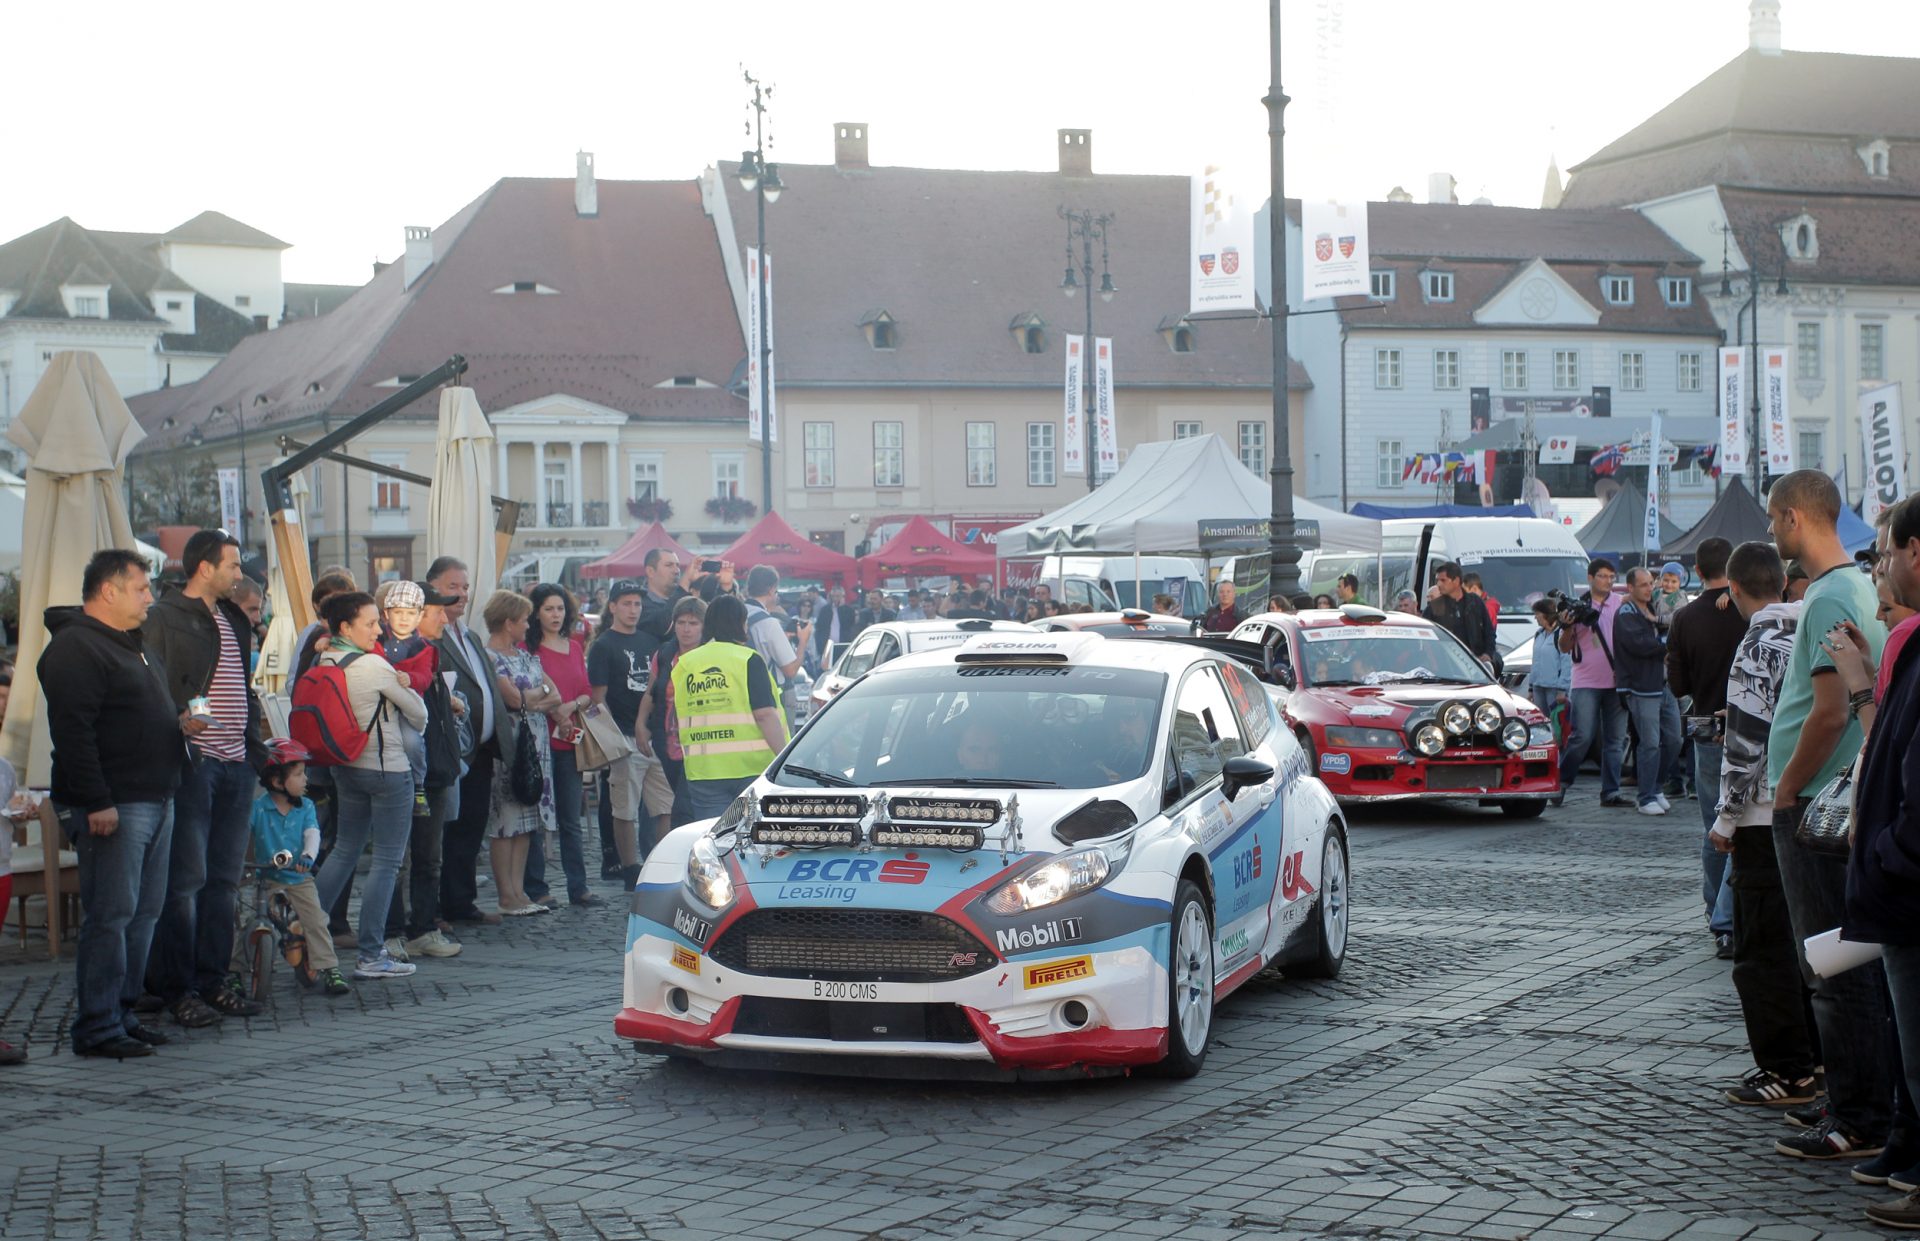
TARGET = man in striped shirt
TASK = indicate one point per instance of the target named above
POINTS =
(205, 642)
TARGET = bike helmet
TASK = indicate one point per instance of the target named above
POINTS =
(282, 751)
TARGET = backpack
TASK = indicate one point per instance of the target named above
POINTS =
(321, 717)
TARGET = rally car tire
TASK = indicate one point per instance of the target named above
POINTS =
(1189, 983)
(1530, 809)
(1330, 914)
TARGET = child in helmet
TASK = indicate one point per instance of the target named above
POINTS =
(286, 837)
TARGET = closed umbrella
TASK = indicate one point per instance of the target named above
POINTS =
(460, 507)
(76, 432)
(277, 652)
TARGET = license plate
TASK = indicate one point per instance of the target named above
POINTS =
(867, 1022)
(1533, 756)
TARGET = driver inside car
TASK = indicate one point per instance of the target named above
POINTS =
(978, 751)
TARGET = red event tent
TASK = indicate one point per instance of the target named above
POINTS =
(773, 542)
(631, 559)
(920, 550)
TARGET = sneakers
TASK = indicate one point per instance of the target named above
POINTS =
(433, 944)
(1826, 1140)
(1889, 1164)
(1809, 1116)
(1653, 807)
(119, 1047)
(1662, 799)
(192, 1012)
(228, 1002)
(397, 949)
(148, 1035)
(1761, 1088)
(1617, 801)
(383, 967)
(1723, 947)
(332, 983)
(1903, 1213)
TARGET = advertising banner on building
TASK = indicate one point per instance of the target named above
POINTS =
(1220, 271)
(1651, 526)
(753, 345)
(1557, 450)
(1730, 406)
(773, 403)
(1773, 407)
(1073, 431)
(1106, 435)
(1333, 250)
(1885, 441)
(229, 481)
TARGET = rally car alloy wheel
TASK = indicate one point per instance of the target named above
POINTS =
(1330, 928)
(1190, 974)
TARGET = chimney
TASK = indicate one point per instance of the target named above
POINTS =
(1440, 188)
(1398, 194)
(850, 144)
(1076, 152)
(419, 255)
(586, 191)
(1763, 27)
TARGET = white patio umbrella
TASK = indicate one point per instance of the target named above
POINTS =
(77, 433)
(460, 506)
(277, 652)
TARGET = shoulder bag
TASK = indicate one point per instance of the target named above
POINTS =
(1827, 826)
(524, 779)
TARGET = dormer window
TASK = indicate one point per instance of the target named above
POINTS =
(685, 381)
(880, 330)
(526, 286)
(85, 301)
(1029, 332)
(1618, 290)
(1437, 285)
(86, 307)
(1178, 333)
(314, 388)
(1800, 237)
(1877, 156)
(260, 399)
(1383, 286)
(1677, 290)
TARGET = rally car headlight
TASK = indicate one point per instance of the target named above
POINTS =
(1487, 716)
(707, 876)
(1375, 738)
(1428, 740)
(1456, 718)
(1513, 735)
(1070, 874)
(1540, 734)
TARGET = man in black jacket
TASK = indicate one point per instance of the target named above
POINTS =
(204, 641)
(1463, 615)
(1701, 643)
(464, 654)
(1640, 674)
(834, 625)
(117, 755)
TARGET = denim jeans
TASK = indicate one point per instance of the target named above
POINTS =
(1714, 888)
(193, 944)
(1656, 720)
(566, 822)
(416, 899)
(123, 885)
(1849, 1009)
(1597, 716)
(1902, 965)
(376, 805)
(710, 798)
(1766, 966)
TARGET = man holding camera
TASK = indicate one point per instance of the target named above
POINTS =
(1701, 646)
(1640, 669)
(1586, 633)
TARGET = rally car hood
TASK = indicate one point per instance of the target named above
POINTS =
(1386, 705)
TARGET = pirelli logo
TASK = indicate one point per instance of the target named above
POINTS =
(686, 959)
(1054, 972)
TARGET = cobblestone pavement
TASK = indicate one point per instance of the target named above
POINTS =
(1526, 1043)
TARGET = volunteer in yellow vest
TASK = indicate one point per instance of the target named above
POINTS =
(731, 724)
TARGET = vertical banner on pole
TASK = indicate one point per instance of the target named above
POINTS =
(1651, 532)
(1107, 440)
(1773, 404)
(229, 499)
(1220, 270)
(753, 344)
(1885, 441)
(1333, 250)
(772, 412)
(1731, 407)
(1073, 432)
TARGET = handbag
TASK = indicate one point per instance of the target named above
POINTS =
(601, 743)
(524, 778)
(1827, 825)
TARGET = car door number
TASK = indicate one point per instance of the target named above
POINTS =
(846, 990)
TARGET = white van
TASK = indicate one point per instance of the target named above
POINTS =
(1113, 576)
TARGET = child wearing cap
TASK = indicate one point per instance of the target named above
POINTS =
(1670, 595)
(414, 658)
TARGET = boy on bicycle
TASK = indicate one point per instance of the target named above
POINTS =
(286, 836)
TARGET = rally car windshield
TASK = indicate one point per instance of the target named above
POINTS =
(1386, 655)
(980, 725)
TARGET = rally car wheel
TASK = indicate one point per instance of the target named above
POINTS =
(1330, 921)
(1524, 809)
(1190, 977)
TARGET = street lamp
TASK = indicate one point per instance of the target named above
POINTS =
(761, 179)
(1751, 309)
(196, 438)
(1089, 226)
(1283, 548)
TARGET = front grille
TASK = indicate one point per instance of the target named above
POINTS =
(1463, 775)
(1373, 771)
(866, 945)
(852, 1021)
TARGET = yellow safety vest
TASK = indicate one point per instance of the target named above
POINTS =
(717, 729)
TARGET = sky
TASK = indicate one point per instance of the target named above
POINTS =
(333, 127)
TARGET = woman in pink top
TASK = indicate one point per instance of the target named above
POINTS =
(564, 659)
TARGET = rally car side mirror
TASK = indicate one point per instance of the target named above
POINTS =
(1240, 772)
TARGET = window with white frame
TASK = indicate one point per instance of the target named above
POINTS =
(1040, 459)
(1566, 369)
(817, 453)
(980, 462)
(1253, 447)
(87, 308)
(1383, 285)
(556, 474)
(1438, 284)
(1619, 290)
(1633, 371)
(1389, 465)
(728, 471)
(1812, 450)
(1446, 369)
(389, 493)
(1386, 368)
(1690, 475)
(1873, 351)
(1688, 373)
(645, 477)
(316, 491)
(1677, 290)
(1187, 430)
(889, 454)
(1513, 370)
(1806, 350)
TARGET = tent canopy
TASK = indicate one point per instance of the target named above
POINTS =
(1157, 500)
(630, 559)
(1736, 517)
(773, 542)
(1854, 532)
(918, 549)
(1618, 528)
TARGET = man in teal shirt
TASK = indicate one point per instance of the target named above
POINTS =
(1815, 734)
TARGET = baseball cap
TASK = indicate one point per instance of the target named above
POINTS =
(623, 587)
(433, 598)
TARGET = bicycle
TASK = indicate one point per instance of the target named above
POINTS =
(268, 926)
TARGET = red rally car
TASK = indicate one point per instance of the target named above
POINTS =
(1390, 706)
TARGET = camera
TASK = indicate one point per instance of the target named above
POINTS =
(1573, 611)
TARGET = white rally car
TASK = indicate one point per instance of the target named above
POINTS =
(1037, 852)
(888, 641)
